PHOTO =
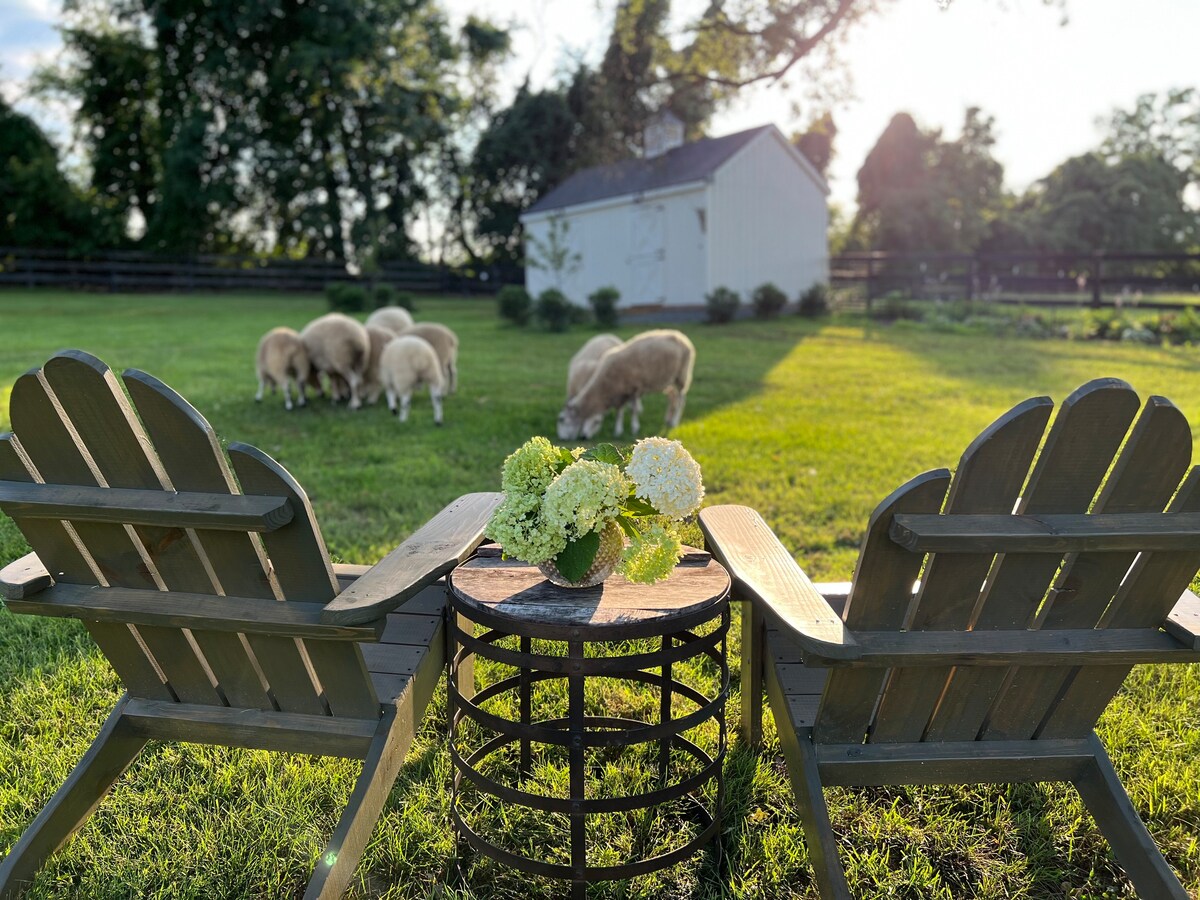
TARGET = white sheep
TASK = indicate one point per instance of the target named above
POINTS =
(445, 345)
(653, 361)
(394, 318)
(281, 359)
(338, 346)
(407, 362)
(583, 364)
(379, 338)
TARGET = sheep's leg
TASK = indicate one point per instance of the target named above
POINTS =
(635, 411)
(452, 377)
(302, 397)
(405, 403)
(679, 402)
(436, 396)
(355, 380)
(391, 401)
(262, 385)
(619, 422)
(287, 395)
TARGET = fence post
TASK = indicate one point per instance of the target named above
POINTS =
(1097, 280)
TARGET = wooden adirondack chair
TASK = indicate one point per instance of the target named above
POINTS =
(995, 667)
(216, 604)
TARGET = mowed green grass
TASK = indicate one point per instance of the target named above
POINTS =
(812, 423)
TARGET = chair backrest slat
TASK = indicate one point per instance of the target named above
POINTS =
(880, 597)
(1079, 448)
(1145, 475)
(988, 480)
(1145, 598)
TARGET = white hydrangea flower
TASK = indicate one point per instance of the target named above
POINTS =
(666, 476)
(584, 497)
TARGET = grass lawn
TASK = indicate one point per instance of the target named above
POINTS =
(812, 423)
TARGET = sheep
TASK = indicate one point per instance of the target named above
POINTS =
(394, 318)
(281, 359)
(445, 345)
(407, 362)
(653, 361)
(583, 364)
(379, 338)
(338, 346)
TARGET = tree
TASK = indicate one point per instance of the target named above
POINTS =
(554, 253)
(917, 191)
(39, 207)
(816, 143)
(1165, 126)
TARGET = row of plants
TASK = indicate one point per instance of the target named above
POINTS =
(553, 311)
(352, 297)
(967, 317)
(767, 300)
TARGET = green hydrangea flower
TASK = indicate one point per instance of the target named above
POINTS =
(585, 497)
(518, 525)
(651, 555)
(530, 468)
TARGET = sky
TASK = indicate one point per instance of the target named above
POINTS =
(1045, 83)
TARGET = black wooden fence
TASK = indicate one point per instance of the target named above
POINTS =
(131, 271)
(1052, 279)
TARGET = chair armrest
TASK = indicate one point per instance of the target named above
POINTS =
(24, 577)
(762, 569)
(434, 550)
(1183, 623)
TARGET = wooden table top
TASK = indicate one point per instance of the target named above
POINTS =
(516, 591)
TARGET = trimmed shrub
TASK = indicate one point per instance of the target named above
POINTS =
(722, 305)
(814, 301)
(604, 306)
(893, 307)
(346, 297)
(515, 304)
(554, 310)
(768, 301)
(385, 295)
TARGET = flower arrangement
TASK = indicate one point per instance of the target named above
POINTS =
(571, 509)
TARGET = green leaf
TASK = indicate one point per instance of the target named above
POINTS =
(564, 459)
(576, 558)
(639, 507)
(605, 453)
(627, 525)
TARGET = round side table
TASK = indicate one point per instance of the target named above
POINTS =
(640, 635)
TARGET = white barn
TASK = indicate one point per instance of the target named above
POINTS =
(732, 211)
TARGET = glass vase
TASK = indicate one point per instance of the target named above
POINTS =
(612, 543)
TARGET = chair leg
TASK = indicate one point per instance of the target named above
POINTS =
(810, 797)
(1110, 806)
(115, 747)
(337, 863)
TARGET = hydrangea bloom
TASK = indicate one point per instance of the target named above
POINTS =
(651, 555)
(530, 468)
(665, 475)
(585, 497)
(518, 525)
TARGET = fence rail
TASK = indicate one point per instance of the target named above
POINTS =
(132, 271)
(1052, 279)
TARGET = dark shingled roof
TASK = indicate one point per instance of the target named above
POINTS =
(688, 162)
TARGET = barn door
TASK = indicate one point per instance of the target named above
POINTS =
(647, 254)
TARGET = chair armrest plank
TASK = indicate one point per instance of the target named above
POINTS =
(1130, 532)
(1066, 647)
(24, 577)
(131, 506)
(442, 543)
(762, 568)
(249, 615)
(1183, 623)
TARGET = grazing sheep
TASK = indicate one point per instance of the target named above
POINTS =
(407, 362)
(653, 361)
(338, 346)
(445, 345)
(394, 318)
(281, 359)
(379, 338)
(583, 364)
